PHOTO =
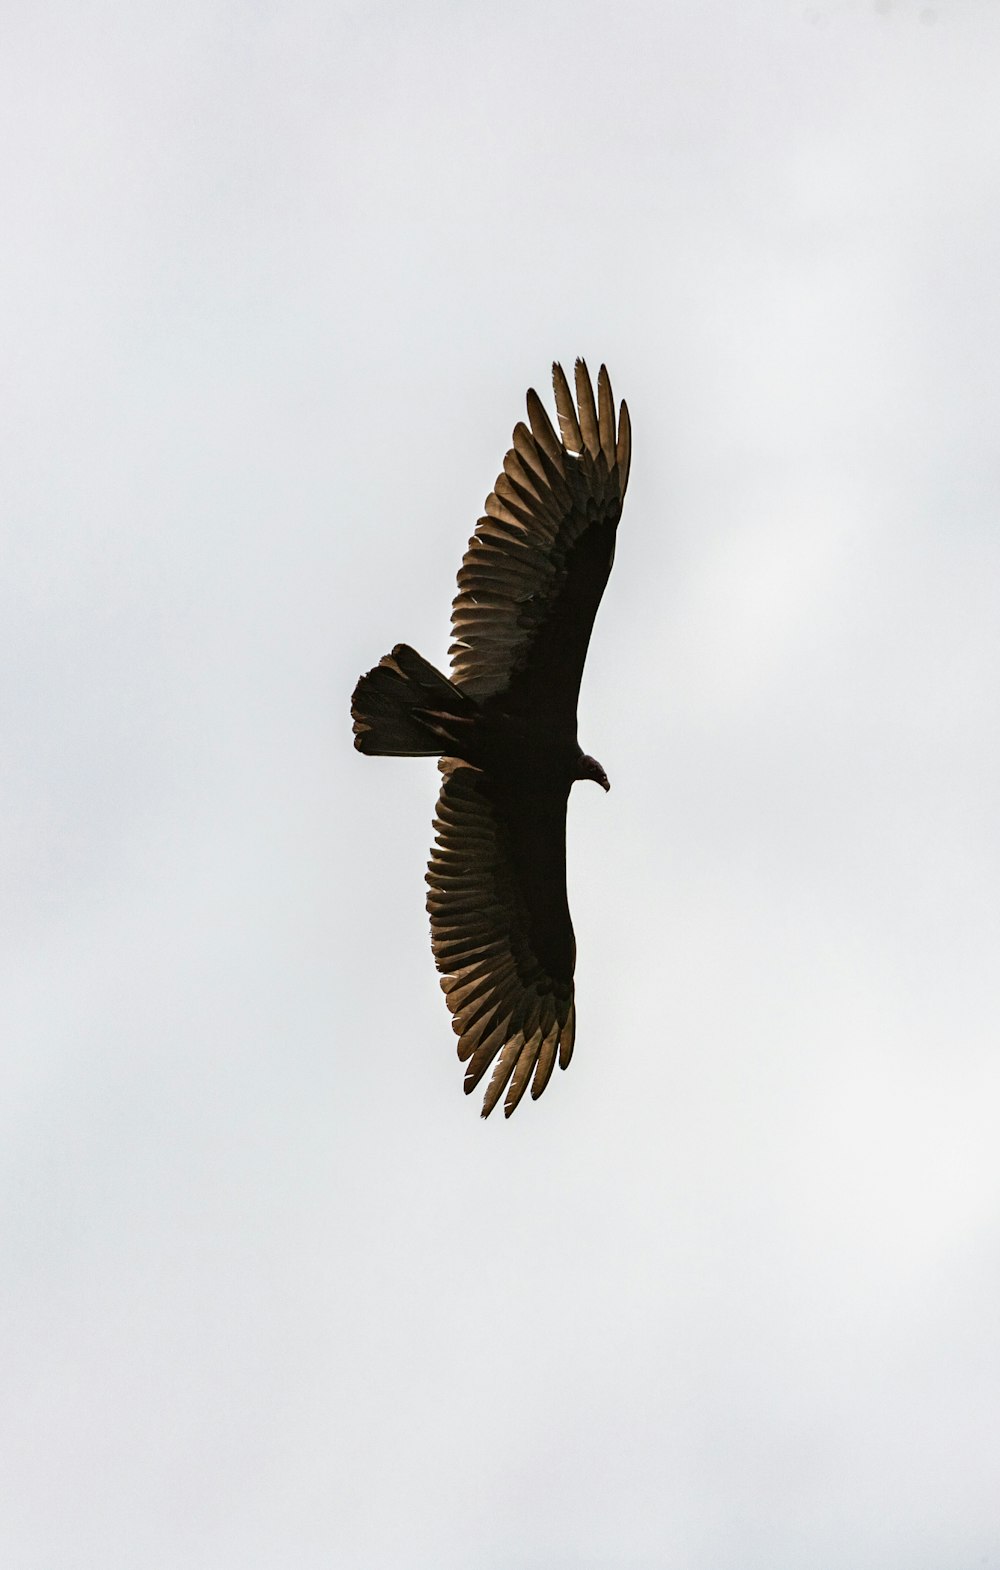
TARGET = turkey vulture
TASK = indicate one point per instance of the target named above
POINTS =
(504, 729)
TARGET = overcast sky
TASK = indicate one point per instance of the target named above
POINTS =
(276, 279)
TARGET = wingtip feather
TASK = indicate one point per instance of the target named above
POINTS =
(624, 449)
(606, 416)
(568, 424)
(587, 407)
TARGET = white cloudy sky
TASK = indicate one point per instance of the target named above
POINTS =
(276, 279)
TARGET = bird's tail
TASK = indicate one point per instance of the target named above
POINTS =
(406, 708)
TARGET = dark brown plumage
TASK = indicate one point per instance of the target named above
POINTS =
(504, 728)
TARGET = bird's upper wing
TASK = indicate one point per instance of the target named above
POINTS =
(501, 930)
(533, 575)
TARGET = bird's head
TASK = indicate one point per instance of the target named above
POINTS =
(588, 768)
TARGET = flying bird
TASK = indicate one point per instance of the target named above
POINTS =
(504, 729)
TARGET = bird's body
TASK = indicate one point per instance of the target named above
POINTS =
(504, 728)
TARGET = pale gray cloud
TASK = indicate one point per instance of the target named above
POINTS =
(276, 281)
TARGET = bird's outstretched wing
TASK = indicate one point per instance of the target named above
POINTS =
(533, 575)
(501, 930)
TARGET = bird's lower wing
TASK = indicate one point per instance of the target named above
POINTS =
(501, 931)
